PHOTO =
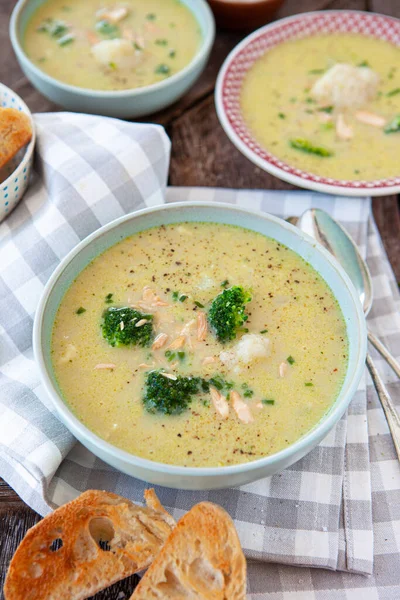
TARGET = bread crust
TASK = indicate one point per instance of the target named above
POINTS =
(15, 133)
(80, 567)
(202, 559)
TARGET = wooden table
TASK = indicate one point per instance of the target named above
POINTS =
(201, 155)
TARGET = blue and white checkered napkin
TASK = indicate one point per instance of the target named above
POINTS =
(90, 170)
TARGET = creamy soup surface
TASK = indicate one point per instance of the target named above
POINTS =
(282, 104)
(112, 46)
(292, 313)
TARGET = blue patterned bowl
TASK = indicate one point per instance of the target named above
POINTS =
(14, 176)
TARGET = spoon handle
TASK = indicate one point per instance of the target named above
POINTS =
(390, 359)
(389, 409)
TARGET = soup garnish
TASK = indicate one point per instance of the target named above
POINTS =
(113, 47)
(346, 102)
(188, 353)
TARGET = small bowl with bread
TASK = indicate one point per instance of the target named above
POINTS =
(17, 142)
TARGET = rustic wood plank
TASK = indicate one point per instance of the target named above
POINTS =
(385, 7)
(387, 216)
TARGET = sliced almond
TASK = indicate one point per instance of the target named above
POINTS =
(283, 369)
(141, 322)
(105, 366)
(169, 376)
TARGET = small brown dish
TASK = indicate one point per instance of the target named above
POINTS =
(244, 14)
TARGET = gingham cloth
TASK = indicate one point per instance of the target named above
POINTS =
(317, 513)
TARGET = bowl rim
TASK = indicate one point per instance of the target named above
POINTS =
(201, 54)
(321, 429)
(30, 147)
(337, 188)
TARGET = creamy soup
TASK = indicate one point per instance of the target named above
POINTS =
(328, 104)
(112, 46)
(256, 393)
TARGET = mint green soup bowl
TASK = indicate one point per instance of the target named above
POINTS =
(135, 102)
(198, 478)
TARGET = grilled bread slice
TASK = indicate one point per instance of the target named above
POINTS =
(15, 133)
(201, 560)
(87, 545)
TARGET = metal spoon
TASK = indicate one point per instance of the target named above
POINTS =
(323, 228)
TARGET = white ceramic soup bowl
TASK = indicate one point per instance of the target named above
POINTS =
(197, 478)
(135, 102)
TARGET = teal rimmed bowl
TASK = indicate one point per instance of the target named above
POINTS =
(198, 478)
(135, 102)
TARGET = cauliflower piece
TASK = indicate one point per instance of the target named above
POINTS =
(346, 87)
(250, 347)
(117, 52)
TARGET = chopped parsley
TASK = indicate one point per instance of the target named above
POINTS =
(220, 383)
(151, 16)
(225, 283)
(198, 304)
(181, 355)
(363, 63)
(172, 53)
(65, 39)
(393, 126)
(162, 69)
(80, 310)
(290, 360)
(161, 42)
(393, 92)
(182, 298)
(282, 115)
(109, 298)
(175, 296)
(108, 29)
(169, 355)
(309, 384)
(264, 331)
(267, 401)
(53, 27)
(326, 109)
(317, 71)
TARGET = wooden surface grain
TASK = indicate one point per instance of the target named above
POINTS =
(201, 155)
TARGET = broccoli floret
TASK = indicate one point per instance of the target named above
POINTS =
(119, 327)
(227, 314)
(169, 396)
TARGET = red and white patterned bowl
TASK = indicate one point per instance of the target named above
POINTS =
(244, 55)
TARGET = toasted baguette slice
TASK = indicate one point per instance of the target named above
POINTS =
(104, 539)
(15, 133)
(202, 559)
